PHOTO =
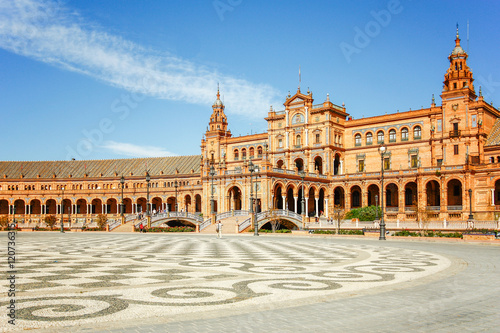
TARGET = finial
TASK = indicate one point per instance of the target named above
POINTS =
(218, 93)
(343, 104)
(457, 29)
(289, 94)
(433, 100)
(327, 97)
(308, 92)
(480, 92)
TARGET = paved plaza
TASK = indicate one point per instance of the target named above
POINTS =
(111, 282)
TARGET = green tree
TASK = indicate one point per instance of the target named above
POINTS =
(102, 220)
(4, 221)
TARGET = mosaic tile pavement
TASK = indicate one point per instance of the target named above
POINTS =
(77, 279)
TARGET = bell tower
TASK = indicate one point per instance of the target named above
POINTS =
(214, 143)
(458, 78)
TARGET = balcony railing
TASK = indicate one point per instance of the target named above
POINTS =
(454, 133)
(454, 207)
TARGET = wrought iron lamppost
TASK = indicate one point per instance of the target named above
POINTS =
(382, 150)
(148, 179)
(176, 184)
(471, 217)
(303, 201)
(212, 174)
(14, 214)
(62, 210)
(376, 206)
(251, 168)
(122, 206)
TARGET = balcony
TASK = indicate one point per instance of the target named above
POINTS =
(454, 133)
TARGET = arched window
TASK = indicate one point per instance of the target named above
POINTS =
(318, 138)
(380, 136)
(236, 154)
(392, 135)
(259, 151)
(298, 141)
(417, 133)
(404, 134)
(357, 139)
(252, 150)
(369, 138)
(243, 153)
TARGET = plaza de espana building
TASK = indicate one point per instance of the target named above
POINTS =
(444, 160)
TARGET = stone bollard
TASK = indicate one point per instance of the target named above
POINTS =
(445, 224)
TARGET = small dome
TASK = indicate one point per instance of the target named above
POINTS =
(457, 50)
(218, 102)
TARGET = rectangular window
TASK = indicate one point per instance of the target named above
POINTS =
(455, 149)
(387, 163)
(439, 161)
(317, 138)
(414, 161)
(439, 125)
(474, 120)
(280, 143)
(361, 165)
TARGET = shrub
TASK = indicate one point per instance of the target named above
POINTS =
(4, 221)
(101, 221)
(364, 213)
(50, 221)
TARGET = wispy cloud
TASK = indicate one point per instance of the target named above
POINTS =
(48, 32)
(128, 149)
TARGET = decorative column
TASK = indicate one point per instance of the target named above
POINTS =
(326, 207)
(307, 206)
(295, 202)
(493, 197)
(284, 202)
(316, 208)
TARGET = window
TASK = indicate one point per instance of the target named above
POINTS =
(498, 159)
(357, 140)
(417, 133)
(456, 190)
(392, 135)
(244, 153)
(387, 163)
(404, 134)
(492, 160)
(455, 149)
(361, 165)
(317, 138)
(236, 154)
(298, 141)
(252, 150)
(474, 120)
(369, 139)
(380, 137)
(414, 161)
(259, 151)
(280, 143)
(455, 85)
(439, 123)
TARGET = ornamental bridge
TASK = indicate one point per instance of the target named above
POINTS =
(242, 219)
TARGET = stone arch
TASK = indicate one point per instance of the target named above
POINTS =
(278, 196)
(321, 202)
(20, 206)
(171, 204)
(81, 206)
(391, 195)
(356, 200)
(336, 164)
(127, 203)
(311, 202)
(433, 193)
(96, 206)
(455, 190)
(156, 204)
(187, 203)
(111, 206)
(290, 200)
(299, 164)
(318, 164)
(50, 207)
(66, 206)
(197, 200)
(4, 207)
(411, 194)
(280, 164)
(35, 207)
(235, 196)
(373, 195)
(339, 197)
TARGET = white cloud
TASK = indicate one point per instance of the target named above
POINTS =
(49, 33)
(127, 149)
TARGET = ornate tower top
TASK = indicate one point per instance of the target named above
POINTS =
(458, 77)
(218, 120)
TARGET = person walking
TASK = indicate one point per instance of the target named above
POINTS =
(219, 229)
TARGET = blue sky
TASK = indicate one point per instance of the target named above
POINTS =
(114, 79)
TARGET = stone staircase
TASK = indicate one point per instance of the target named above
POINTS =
(229, 225)
(127, 227)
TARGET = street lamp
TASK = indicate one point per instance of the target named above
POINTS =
(251, 168)
(376, 206)
(176, 184)
(122, 181)
(148, 179)
(470, 205)
(62, 210)
(14, 214)
(212, 174)
(303, 202)
(382, 151)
